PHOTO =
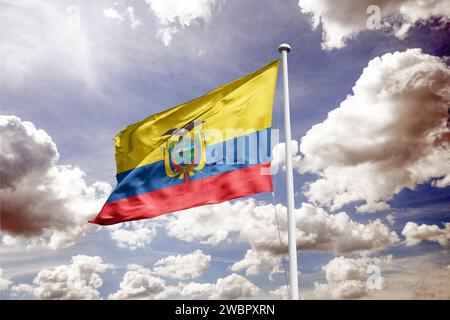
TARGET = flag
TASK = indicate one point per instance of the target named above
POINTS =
(208, 150)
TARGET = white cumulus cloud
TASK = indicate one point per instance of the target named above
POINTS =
(390, 134)
(279, 156)
(174, 15)
(138, 283)
(43, 203)
(246, 221)
(416, 277)
(234, 286)
(133, 235)
(122, 15)
(342, 20)
(231, 287)
(415, 233)
(345, 277)
(79, 280)
(4, 283)
(316, 229)
(186, 266)
(255, 262)
(112, 13)
(195, 290)
(348, 289)
(280, 293)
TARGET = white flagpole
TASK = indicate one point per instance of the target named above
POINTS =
(292, 243)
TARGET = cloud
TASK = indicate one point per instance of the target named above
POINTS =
(414, 277)
(341, 268)
(174, 15)
(390, 218)
(345, 277)
(348, 289)
(134, 21)
(112, 13)
(246, 221)
(43, 203)
(343, 20)
(390, 134)
(441, 183)
(39, 36)
(127, 13)
(257, 224)
(255, 262)
(134, 234)
(280, 293)
(79, 280)
(417, 277)
(195, 290)
(4, 283)
(231, 287)
(183, 266)
(415, 233)
(138, 283)
(279, 156)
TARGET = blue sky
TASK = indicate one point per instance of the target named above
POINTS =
(83, 82)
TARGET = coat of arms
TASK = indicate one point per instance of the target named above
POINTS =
(184, 150)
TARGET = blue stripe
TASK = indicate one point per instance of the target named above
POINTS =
(153, 176)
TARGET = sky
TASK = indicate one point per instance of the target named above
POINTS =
(369, 95)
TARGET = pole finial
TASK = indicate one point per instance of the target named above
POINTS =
(284, 47)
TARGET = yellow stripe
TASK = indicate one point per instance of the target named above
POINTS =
(244, 104)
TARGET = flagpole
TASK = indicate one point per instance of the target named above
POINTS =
(292, 243)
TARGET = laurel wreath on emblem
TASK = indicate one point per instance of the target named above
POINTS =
(184, 150)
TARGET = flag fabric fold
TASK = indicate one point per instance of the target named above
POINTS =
(209, 150)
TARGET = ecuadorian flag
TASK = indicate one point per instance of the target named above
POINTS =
(208, 150)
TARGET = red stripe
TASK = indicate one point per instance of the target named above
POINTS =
(213, 189)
